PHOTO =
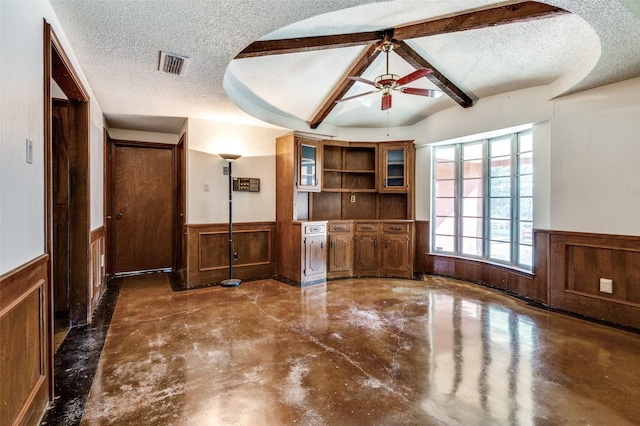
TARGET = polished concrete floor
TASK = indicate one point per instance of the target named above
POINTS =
(356, 352)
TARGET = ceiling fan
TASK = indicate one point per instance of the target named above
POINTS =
(502, 14)
(387, 83)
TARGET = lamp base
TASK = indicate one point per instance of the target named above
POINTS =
(231, 282)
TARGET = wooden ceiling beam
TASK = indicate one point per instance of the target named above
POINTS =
(363, 61)
(483, 18)
(436, 77)
(308, 44)
(509, 14)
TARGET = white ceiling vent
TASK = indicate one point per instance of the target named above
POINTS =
(172, 63)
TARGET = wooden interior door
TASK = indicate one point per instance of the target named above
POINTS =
(144, 204)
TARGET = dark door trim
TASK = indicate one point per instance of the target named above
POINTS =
(57, 66)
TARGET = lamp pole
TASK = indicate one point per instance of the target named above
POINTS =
(230, 282)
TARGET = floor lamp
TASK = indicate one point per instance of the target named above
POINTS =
(230, 282)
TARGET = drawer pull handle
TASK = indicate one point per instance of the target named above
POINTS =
(340, 228)
(314, 229)
(396, 228)
(367, 227)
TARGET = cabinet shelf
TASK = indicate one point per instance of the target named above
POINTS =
(348, 171)
(348, 190)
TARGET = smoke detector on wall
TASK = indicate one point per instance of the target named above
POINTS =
(171, 63)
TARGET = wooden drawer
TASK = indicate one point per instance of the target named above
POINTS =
(366, 227)
(396, 228)
(340, 227)
(314, 228)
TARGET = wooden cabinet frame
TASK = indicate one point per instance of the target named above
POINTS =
(349, 193)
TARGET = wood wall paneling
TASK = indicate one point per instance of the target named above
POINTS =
(530, 285)
(208, 252)
(25, 343)
(579, 260)
(97, 274)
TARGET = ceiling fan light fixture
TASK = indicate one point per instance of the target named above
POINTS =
(386, 80)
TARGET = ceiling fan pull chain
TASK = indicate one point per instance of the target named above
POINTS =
(387, 127)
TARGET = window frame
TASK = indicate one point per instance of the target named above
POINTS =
(521, 248)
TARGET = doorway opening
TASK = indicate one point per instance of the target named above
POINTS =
(67, 199)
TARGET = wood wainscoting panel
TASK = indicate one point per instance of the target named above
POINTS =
(422, 261)
(577, 263)
(97, 271)
(208, 252)
(529, 285)
(253, 248)
(25, 340)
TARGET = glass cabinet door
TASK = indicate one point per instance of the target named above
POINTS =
(309, 165)
(394, 168)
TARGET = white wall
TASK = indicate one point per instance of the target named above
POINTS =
(138, 136)
(205, 140)
(21, 118)
(595, 160)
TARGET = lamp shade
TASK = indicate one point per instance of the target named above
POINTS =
(230, 157)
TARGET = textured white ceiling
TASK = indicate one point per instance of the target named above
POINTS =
(117, 44)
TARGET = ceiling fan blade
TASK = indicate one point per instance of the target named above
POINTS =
(361, 80)
(419, 73)
(386, 102)
(356, 96)
(421, 92)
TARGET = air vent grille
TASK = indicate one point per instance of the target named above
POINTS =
(172, 63)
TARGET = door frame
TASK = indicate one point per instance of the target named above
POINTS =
(57, 67)
(179, 197)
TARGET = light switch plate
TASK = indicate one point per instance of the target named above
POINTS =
(29, 147)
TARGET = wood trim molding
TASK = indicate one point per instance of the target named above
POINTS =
(97, 234)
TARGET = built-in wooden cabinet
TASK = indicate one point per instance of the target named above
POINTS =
(340, 255)
(397, 250)
(367, 259)
(355, 182)
(314, 257)
(361, 190)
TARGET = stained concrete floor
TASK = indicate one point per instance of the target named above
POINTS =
(356, 352)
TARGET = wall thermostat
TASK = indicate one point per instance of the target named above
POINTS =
(246, 184)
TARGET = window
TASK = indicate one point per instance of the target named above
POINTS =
(483, 199)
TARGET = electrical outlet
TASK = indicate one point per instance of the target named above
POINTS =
(353, 198)
(606, 285)
(206, 187)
